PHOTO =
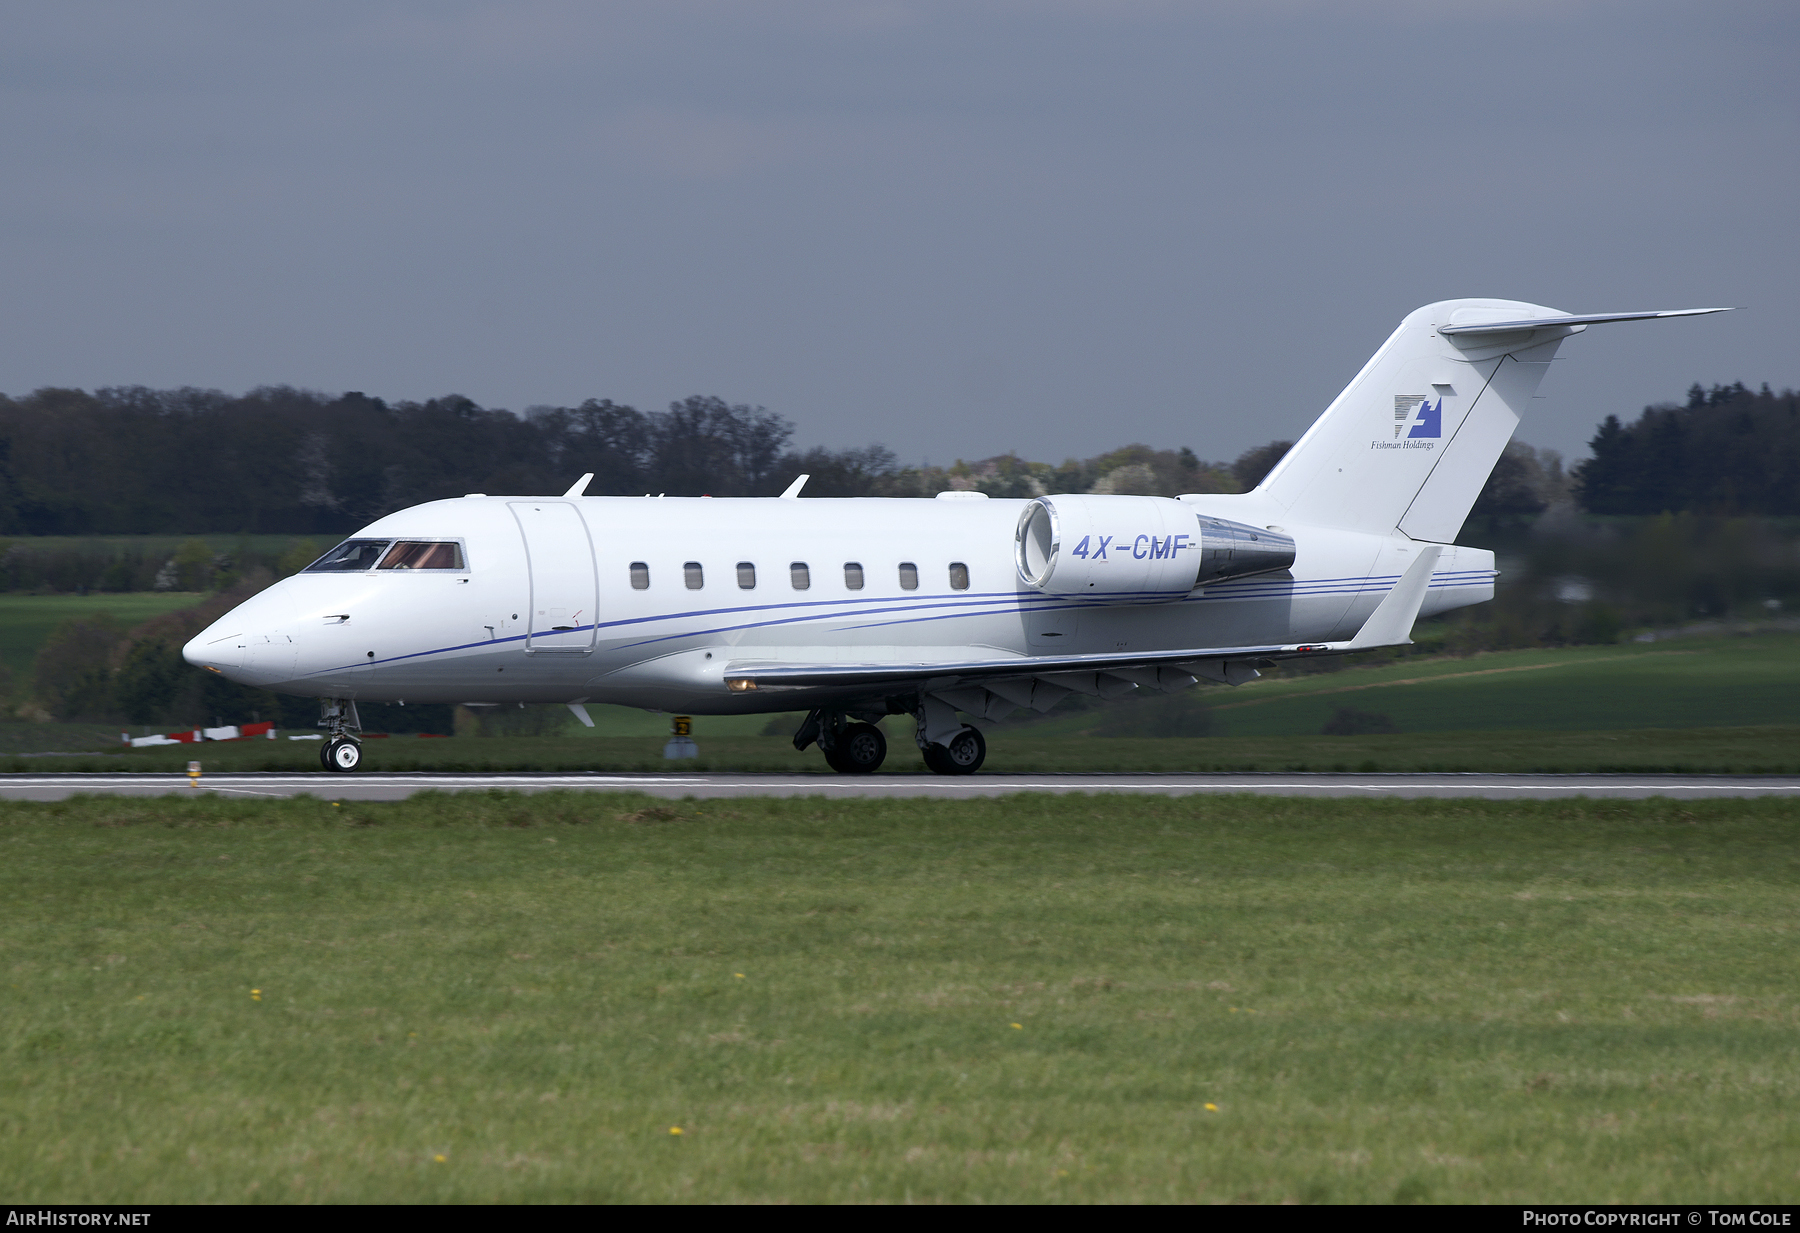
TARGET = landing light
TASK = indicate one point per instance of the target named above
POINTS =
(738, 685)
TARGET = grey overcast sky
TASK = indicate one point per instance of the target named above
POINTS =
(955, 228)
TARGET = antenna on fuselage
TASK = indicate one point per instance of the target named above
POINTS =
(579, 487)
(793, 490)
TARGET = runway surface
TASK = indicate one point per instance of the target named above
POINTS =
(377, 787)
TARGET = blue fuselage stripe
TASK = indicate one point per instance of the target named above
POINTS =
(978, 604)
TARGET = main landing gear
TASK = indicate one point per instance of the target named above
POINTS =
(854, 746)
(341, 752)
(949, 746)
(851, 747)
(962, 754)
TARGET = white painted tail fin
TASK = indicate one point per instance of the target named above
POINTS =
(1410, 442)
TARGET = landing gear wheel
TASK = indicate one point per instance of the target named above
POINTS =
(963, 754)
(342, 755)
(858, 750)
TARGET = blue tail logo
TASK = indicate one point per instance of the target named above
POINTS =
(1424, 417)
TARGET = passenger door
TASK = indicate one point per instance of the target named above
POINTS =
(564, 589)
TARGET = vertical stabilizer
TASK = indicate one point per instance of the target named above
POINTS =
(1410, 442)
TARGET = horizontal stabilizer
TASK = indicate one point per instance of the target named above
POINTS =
(1561, 319)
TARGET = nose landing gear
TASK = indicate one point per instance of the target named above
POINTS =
(341, 752)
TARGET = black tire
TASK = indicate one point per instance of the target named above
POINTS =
(343, 755)
(963, 754)
(325, 755)
(859, 750)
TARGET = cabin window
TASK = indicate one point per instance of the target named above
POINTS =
(959, 576)
(799, 575)
(693, 575)
(747, 575)
(853, 576)
(416, 554)
(640, 576)
(352, 554)
(909, 576)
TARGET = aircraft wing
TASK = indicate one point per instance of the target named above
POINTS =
(1389, 625)
(749, 674)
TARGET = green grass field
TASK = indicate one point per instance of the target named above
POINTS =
(1758, 750)
(1686, 683)
(167, 545)
(26, 620)
(500, 998)
(1726, 704)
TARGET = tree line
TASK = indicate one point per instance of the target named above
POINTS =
(136, 460)
(1726, 451)
(131, 460)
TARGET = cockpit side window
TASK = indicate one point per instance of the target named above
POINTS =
(418, 554)
(352, 554)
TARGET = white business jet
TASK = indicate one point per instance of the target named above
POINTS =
(855, 609)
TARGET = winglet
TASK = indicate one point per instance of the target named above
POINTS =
(793, 490)
(1392, 621)
(579, 487)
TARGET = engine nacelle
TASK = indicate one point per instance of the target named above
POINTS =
(1112, 549)
(1233, 550)
(1137, 549)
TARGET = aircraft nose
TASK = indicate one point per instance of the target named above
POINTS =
(209, 649)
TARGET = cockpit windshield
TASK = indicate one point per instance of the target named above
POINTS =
(356, 555)
(352, 554)
(414, 554)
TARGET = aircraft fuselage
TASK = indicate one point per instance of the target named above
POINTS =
(599, 599)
